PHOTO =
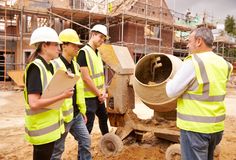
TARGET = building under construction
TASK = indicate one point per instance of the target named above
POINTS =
(144, 26)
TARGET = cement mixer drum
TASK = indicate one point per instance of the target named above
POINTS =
(151, 74)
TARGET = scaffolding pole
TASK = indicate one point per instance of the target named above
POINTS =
(107, 24)
(68, 20)
(89, 20)
(50, 17)
(173, 31)
(145, 37)
(21, 33)
(71, 17)
(136, 37)
(5, 47)
(122, 26)
(160, 27)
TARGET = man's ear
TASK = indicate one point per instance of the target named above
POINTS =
(44, 45)
(63, 46)
(92, 34)
(199, 42)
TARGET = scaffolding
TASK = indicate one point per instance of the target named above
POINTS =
(225, 49)
(6, 19)
(28, 15)
(138, 13)
(31, 14)
(155, 20)
(143, 26)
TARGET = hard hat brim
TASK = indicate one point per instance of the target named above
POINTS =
(35, 42)
(59, 42)
(94, 30)
(107, 37)
(77, 43)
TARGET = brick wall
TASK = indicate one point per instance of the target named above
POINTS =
(134, 33)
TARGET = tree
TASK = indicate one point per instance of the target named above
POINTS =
(230, 26)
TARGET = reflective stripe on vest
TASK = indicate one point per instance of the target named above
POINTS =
(42, 125)
(67, 106)
(57, 65)
(99, 87)
(93, 76)
(44, 130)
(66, 112)
(37, 111)
(95, 67)
(45, 80)
(205, 96)
(202, 119)
(30, 111)
(201, 108)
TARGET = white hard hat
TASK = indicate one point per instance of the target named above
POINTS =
(101, 29)
(44, 34)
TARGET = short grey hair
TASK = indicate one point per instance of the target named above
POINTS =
(205, 34)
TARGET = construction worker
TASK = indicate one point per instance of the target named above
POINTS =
(188, 16)
(74, 109)
(91, 65)
(201, 107)
(42, 126)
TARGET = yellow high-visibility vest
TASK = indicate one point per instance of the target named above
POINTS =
(201, 108)
(67, 106)
(42, 125)
(96, 72)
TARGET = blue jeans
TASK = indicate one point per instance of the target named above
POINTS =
(78, 129)
(198, 146)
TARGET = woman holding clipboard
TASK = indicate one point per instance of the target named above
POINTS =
(42, 126)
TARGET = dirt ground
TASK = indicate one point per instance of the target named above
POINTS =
(14, 147)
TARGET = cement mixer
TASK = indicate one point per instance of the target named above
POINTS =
(147, 79)
(151, 75)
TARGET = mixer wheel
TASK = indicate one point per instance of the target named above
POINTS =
(110, 144)
(173, 152)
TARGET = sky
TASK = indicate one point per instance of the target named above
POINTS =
(218, 9)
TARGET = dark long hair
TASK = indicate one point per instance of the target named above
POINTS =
(37, 51)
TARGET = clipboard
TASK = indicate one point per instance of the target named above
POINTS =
(60, 82)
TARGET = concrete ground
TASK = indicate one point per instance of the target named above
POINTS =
(14, 147)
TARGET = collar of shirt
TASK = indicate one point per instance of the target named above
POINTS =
(96, 50)
(69, 66)
(48, 66)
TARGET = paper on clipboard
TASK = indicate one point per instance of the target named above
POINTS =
(60, 82)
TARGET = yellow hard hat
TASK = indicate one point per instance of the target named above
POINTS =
(70, 35)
